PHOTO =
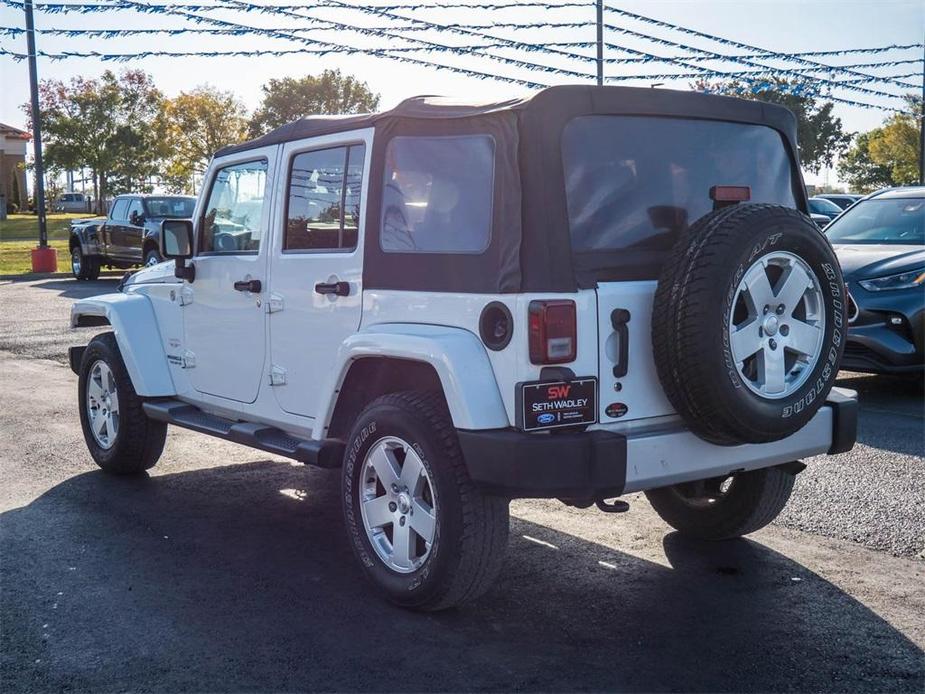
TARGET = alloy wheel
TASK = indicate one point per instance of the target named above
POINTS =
(776, 325)
(102, 404)
(398, 505)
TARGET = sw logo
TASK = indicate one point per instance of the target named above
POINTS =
(556, 392)
(546, 418)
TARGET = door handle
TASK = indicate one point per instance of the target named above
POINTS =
(336, 288)
(619, 319)
(248, 286)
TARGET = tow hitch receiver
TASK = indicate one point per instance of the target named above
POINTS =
(615, 506)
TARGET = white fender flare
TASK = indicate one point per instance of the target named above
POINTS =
(457, 355)
(135, 327)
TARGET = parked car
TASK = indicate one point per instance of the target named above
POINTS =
(821, 206)
(456, 305)
(880, 243)
(820, 220)
(127, 237)
(843, 200)
(71, 202)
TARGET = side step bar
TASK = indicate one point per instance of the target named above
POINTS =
(328, 453)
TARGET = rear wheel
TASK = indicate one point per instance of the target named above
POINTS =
(423, 533)
(722, 508)
(119, 436)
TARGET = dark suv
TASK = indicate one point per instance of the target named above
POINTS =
(128, 236)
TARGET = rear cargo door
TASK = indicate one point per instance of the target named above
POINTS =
(629, 385)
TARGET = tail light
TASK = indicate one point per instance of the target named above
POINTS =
(553, 332)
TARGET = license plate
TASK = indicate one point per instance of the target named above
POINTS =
(552, 404)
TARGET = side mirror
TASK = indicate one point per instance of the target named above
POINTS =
(176, 242)
(136, 219)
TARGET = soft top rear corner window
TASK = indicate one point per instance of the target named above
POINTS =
(437, 194)
(633, 184)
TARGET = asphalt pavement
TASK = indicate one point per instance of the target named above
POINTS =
(228, 570)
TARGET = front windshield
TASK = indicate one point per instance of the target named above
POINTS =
(897, 221)
(170, 207)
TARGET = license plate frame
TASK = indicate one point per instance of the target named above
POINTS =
(570, 414)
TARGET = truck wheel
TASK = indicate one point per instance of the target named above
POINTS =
(748, 324)
(722, 508)
(84, 267)
(121, 438)
(423, 533)
(152, 257)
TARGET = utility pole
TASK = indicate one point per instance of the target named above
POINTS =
(44, 259)
(600, 42)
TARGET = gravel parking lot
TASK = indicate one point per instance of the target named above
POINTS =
(228, 570)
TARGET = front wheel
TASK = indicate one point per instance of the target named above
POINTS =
(722, 508)
(152, 257)
(84, 267)
(423, 533)
(120, 437)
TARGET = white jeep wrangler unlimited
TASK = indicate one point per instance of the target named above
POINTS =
(591, 292)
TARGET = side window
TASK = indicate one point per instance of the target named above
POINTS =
(232, 222)
(437, 194)
(119, 210)
(324, 199)
(135, 208)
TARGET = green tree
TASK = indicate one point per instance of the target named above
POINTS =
(196, 125)
(888, 155)
(857, 168)
(289, 98)
(896, 147)
(105, 125)
(820, 134)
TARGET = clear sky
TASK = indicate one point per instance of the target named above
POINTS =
(780, 25)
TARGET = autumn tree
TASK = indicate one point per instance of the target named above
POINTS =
(197, 124)
(289, 98)
(885, 156)
(104, 125)
(820, 134)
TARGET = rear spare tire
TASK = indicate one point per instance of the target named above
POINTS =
(748, 324)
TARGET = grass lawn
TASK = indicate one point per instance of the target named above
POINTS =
(19, 234)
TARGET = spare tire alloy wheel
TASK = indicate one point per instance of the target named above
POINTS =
(777, 343)
(748, 324)
(398, 505)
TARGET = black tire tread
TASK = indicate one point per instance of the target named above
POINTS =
(695, 261)
(486, 520)
(140, 440)
(756, 499)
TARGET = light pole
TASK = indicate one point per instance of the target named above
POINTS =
(44, 259)
(600, 42)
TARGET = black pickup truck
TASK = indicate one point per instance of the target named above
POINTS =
(127, 237)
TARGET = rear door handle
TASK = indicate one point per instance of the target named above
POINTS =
(248, 286)
(619, 319)
(336, 288)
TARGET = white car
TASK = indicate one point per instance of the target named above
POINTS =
(591, 292)
(71, 202)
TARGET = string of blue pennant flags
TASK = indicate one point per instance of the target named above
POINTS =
(721, 40)
(756, 80)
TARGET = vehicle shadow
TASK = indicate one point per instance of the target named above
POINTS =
(892, 411)
(239, 578)
(70, 288)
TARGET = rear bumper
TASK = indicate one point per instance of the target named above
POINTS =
(604, 464)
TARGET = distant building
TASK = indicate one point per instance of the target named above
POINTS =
(12, 166)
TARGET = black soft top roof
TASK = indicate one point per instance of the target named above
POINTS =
(692, 104)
